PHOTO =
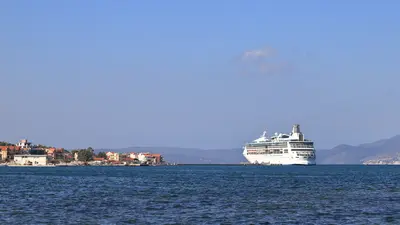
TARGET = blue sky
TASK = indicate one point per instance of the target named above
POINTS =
(207, 74)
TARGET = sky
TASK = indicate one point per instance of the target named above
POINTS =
(201, 74)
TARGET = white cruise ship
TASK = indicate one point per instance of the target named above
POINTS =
(281, 149)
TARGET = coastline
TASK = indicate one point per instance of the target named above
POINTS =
(187, 164)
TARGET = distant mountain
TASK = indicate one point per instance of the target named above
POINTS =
(190, 155)
(388, 149)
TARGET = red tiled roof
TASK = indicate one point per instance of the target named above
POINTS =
(128, 159)
(11, 148)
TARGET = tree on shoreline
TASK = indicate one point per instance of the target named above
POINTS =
(4, 143)
(85, 155)
(42, 146)
(102, 155)
(73, 152)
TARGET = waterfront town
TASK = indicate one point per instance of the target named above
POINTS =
(24, 153)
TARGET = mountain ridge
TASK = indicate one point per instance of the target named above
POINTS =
(388, 148)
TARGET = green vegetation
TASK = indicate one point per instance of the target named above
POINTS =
(84, 155)
(3, 143)
(37, 152)
(43, 146)
(102, 155)
(73, 152)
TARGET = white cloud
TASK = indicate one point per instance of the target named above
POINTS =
(263, 61)
(258, 54)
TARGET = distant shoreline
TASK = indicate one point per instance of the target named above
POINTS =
(194, 164)
(221, 164)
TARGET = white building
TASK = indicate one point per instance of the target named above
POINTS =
(24, 143)
(113, 156)
(133, 155)
(142, 157)
(34, 160)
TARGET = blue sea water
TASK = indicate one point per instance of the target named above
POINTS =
(200, 195)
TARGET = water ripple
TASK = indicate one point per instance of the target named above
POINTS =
(201, 195)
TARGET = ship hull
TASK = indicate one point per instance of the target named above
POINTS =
(278, 160)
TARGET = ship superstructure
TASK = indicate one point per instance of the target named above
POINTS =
(281, 149)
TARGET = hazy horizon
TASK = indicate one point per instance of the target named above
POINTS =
(200, 74)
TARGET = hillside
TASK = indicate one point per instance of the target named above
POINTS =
(387, 149)
(383, 151)
(190, 155)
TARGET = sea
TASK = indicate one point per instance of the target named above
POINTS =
(200, 194)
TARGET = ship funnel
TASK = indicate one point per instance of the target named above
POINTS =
(297, 133)
(296, 129)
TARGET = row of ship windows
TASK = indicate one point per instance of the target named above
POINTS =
(301, 145)
(278, 152)
(280, 149)
(303, 150)
(267, 152)
(269, 146)
(304, 154)
(263, 153)
(283, 145)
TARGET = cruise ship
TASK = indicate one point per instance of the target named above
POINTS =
(281, 149)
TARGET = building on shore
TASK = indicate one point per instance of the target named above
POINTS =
(8, 152)
(34, 160)
(23, 147)
(98, 159)
(150, 158)
(55, 153)
(24, 143)
(113, 156)
(28, 153)
(133, 155)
